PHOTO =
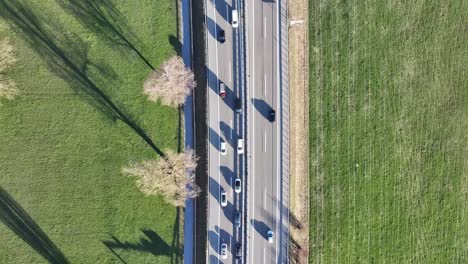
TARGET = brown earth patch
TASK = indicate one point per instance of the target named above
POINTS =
(299, 130)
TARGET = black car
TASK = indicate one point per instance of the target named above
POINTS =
(272, 115)
(238, 251)
(238, 106)
(221, 36)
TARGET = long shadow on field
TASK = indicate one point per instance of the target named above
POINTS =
(67, 57)
(176, 252)
(175, 43)
(150, 243)
(21, 223)
(102, 17)
(180, 112)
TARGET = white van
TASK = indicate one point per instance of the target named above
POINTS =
(235, 18)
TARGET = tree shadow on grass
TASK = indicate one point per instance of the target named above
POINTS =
(66, 55)
(180, 112)
(151, 242)
(19, 221)
(176, 45)
(102, 17)
(176, 253)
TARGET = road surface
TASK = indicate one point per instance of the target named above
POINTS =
(223, 124)
(247, 62)
(263, 170)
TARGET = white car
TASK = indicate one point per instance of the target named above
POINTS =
(222, 146)
(235, 18)
(270, 236)
(237, 185)
(223, 198)
(240, 146)
(224, 250)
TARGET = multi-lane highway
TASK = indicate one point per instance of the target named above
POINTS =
(263, 193)
(247, 63)
(224, 125)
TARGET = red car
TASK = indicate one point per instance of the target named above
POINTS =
(222, 90)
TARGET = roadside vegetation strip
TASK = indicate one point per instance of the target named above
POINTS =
(389, 115)
(62, 149)
(299, 128)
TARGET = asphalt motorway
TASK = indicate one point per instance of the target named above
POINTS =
(261, 189)
(263, 174)
(223, 124)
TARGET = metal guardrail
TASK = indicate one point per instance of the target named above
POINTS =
(283, 73)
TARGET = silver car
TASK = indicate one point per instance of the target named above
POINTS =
(223, 198)
(222, 146)
(224, 250)
(237, 185)
(270, 236)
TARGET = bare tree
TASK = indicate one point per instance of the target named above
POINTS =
(7, 87)
(171, 176)
(171, 83)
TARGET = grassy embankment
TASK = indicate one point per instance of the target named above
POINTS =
(389, 122)
(63, 144)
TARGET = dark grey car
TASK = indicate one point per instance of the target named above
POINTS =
(237, 219)
(238, 251)
(238, 106)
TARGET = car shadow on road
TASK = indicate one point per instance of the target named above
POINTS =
(229, 133)
(213, 238)
(214, 139)
(224, 9)
(262, 107)
(214, 260)
(218, 236)
(213, 83)
(227, 173)
(213, 27)
(260, 227)
(229, 209)
(215, 189)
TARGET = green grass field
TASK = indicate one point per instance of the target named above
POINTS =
(388, 135)
(64, 141)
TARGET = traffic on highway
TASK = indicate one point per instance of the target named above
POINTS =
(244, 204)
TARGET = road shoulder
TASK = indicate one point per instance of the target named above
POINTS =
(299, 130)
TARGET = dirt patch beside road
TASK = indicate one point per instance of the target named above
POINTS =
(299, 130)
